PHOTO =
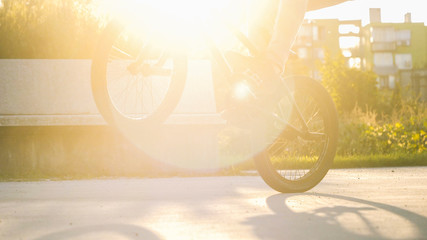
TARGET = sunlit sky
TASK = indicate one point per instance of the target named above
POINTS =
(391, 10)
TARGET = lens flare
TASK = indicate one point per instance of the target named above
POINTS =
(197, 138)
(242, 91)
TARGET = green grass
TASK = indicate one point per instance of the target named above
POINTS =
(381, 160)
(355, 161)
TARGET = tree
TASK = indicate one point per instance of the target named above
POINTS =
(349, 87)
(47, 29)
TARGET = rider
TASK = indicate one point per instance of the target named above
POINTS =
(273, 27)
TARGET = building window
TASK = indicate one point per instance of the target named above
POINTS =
(321, 31)
(315, 33)
(404, 61)
(354, 62)
(383, 34)
(403, 37)
(347, 53)
(349, 42)
(383, 59)
(302, 53)
(319, 53)
(348, 29)
(305, 30)
(387, 81)
(305, 35)
(391, 81)
(383, 82)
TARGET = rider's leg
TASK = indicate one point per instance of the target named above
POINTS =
(289, 18)
(261, 21)
(273, 26)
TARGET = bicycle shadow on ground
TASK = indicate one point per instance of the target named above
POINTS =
(123, 231)
(327, 216)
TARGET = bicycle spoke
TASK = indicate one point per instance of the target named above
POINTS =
(296, 159)
(135, 94)
(314, 115)
(118, 53)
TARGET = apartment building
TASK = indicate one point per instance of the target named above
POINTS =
(397, 53)
(319, 37)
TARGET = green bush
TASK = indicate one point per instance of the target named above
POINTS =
(349, 87)
(397, 137)
(373, 122)
(365, 133)
(48, 29)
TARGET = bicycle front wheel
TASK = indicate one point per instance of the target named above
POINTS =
(296, 162)
(135, 82)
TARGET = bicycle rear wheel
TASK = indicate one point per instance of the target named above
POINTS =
(133, 81)
(295, 162)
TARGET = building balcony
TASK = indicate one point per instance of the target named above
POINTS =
(385, 70)
(383, 46)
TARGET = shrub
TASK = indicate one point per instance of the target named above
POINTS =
(405, 130)
(349, 86)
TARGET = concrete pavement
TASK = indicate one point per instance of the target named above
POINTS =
(386, 203)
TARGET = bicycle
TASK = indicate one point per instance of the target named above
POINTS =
(295, 160)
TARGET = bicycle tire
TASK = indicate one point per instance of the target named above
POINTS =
(103, 97)
(287, 170)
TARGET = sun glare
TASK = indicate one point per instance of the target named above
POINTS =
(179, 21)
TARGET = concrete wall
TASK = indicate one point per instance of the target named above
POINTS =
(46, 92)
(58, 92)
(48, 121)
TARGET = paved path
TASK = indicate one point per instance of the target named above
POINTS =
(388, 203)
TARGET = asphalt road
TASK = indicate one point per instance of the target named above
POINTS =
(388, 203)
